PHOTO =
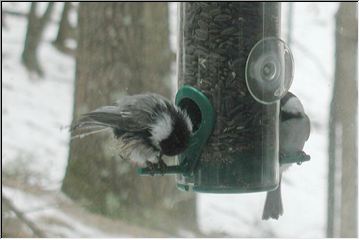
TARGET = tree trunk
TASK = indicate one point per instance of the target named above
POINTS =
(65, 31)
(3, 23)
(343, 128)
(35, 29)
(123, 48)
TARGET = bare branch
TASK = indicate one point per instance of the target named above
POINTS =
(37, 232)
(13, 13)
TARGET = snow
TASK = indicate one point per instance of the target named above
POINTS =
(16, 6)
(37, 111)
(37, 207)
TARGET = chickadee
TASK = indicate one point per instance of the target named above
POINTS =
(146, 127)
(294, 132)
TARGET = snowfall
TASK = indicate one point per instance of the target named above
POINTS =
(37, 111)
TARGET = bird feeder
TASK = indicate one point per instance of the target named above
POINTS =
(232, 71)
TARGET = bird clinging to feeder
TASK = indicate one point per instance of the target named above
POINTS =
(146, 126)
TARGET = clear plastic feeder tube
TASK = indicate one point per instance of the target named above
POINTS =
(215, 41)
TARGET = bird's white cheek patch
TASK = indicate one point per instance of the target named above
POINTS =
(188, 121)
(161, 129)
(293, 105)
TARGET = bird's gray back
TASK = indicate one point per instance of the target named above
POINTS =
(139, 111)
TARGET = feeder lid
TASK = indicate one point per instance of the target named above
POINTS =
(269, 70)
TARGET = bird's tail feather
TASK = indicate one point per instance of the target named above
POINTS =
(86, 124)
(273, 204)
(89, 131)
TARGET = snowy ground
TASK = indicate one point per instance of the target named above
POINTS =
(37, 111)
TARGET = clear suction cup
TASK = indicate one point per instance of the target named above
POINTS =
(269, 70)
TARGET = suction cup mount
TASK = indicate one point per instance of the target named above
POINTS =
(269, 70)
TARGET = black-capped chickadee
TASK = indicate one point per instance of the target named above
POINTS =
(294, 131)
(145, 125)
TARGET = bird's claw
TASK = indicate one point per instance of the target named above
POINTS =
(162, 166)
(151, 167)
(154, 167)
(301, 154)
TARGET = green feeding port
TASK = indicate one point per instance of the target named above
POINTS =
(202, 115)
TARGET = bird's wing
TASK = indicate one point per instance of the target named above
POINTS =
(130, 113)
(308, 126)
